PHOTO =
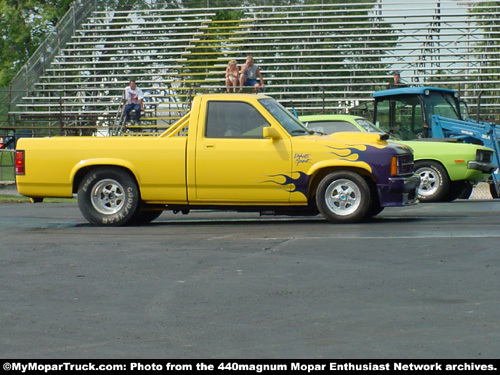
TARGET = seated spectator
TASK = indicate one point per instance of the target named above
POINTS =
(133, 100)
(232, 76)
(249, 74)
(397, 82)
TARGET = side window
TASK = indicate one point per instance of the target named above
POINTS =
(383, 115)
(233, 120)
(408, 118)
(401, 117)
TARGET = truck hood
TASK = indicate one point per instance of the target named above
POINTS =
(360, 137)
(441, 147)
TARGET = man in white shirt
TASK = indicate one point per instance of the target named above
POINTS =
(133, 99)
(249, 74)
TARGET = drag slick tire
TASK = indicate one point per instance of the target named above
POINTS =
(108, 197)
(343, 197)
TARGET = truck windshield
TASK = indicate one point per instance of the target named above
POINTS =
(291, 124)
(404, 116)
(442, 104)
(368, 126)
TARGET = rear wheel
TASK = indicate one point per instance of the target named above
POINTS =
(343, 197)
(434, 181)
(108, 197)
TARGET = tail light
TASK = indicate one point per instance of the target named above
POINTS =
(19, 163)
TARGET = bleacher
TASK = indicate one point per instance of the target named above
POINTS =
(316, 58)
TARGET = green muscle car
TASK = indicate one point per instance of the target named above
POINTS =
(447, 170)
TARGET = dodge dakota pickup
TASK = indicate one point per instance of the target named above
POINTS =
(230, 152)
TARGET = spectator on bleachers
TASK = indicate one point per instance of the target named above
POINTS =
(249, 74)
(397, 82)
(133, 100)
(232, 76)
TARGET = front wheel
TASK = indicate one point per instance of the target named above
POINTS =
(108, 197)
(493, 190)
(343, 197)
(458, 190)
(434, 181)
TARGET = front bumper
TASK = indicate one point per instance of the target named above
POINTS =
(482, 166)
(400, 191)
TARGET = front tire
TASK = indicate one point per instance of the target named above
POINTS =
(458, 190)
(343, 197)
(493, 189)
(108, 197)
(434, 181)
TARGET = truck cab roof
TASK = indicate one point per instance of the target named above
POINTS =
(411, 90)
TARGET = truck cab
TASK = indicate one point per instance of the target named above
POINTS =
(407, 112)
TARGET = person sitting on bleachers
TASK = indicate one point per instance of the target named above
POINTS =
(232, 76)
(249, 74)
(397, 83)
(133, 100)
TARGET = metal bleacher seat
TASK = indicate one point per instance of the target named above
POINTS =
(321, 57)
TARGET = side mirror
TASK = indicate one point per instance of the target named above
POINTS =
(270, 132)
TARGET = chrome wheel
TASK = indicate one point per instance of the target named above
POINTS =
(343, 197)
(108, 197)
(434, 181)
(429, 181)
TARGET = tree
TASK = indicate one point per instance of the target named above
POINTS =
(23, 26)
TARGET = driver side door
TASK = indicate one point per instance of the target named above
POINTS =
(234, 162)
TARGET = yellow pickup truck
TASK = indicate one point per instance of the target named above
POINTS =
(230, 152)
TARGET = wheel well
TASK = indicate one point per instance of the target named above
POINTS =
(319, 175)
(435, 162)
(83, 172)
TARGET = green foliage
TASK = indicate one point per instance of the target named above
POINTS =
(23, 26)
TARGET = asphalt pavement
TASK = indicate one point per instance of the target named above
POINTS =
(416, 282)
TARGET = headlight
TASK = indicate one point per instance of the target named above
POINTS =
(402, 164)
(484, 156)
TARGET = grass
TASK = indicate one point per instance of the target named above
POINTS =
(6, 166)
(22, 199)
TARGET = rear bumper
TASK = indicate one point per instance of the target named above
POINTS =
(400, 191)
